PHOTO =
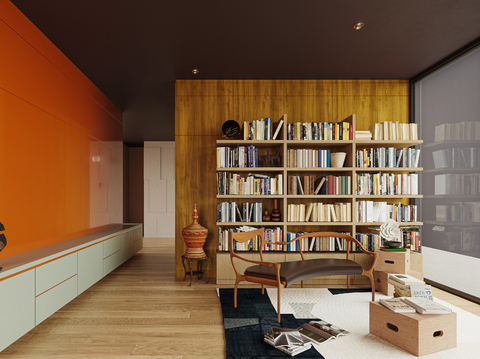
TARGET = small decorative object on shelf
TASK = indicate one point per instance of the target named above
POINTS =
(390, 233)
(271, 158)
(337, 159)
(276, 215)
(266, 217)
(230, 128)
(195, 236)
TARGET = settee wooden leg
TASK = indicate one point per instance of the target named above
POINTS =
(278, 303)
(372, 284)
(235, 295)
(263, 289)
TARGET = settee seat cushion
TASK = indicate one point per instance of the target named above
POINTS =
(296, 271)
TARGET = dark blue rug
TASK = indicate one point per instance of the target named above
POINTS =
(246, 325)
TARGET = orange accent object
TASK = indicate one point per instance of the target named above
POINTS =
(195, 236)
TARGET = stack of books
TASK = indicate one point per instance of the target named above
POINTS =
(287, 340)
(402, 283)
(413, 305)
(363, 135)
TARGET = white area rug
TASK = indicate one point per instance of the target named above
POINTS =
(351, 312)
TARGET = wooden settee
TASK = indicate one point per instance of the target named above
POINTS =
(284, 274)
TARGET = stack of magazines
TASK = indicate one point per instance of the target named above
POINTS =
(287, 340)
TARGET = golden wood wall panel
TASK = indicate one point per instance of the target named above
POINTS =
(202, 106)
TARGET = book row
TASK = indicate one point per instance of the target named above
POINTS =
(251, 184)
(320, 212)
(369, 241)
(457, 184)
(272, 235)
(394, 131)
(230, 212)
(240, 156)
(307, 185)
(458, 212)
(468, 157)
(261, 129)
(370, 211)
(459, 240)
(386, 184)
(460, 131)
(308, 158)
(387, 157)
(320, 131)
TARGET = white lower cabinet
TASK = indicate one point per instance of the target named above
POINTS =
(30, 297)
(17, 307)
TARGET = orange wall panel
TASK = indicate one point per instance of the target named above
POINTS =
(53, 120)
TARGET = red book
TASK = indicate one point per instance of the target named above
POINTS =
(331, 184)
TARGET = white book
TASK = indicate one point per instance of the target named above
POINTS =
(397, 305)
(426, 306)
(404, 279)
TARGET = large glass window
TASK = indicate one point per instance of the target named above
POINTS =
(447, 108)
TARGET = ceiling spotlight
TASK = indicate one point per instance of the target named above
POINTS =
(195, 71)
(358, 25)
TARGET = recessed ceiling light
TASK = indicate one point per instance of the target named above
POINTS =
(195, 71)
(358, 25)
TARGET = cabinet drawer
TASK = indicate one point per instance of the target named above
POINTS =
(55, 272)
(52, 300)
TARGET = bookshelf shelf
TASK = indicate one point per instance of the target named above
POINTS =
(396, 196)
(453, 224)
(342, 177)
(319, 169)
(449, 144)
(389, 169)
(262, 224)
(250, 169)
(402, 224)
(386, 143)
(452, 170)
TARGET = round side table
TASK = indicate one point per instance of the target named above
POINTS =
(197, 272)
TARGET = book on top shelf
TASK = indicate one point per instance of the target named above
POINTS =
(277, 131)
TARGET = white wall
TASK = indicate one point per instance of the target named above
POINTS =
(159, 189)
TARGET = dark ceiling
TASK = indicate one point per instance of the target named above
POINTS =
(134, 50)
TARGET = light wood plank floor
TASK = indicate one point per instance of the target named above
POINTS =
(140, 310)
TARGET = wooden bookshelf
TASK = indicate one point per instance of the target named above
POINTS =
(285, 199)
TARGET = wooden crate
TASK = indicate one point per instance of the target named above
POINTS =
(393, 262)
(381, 281)
(419, 334)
